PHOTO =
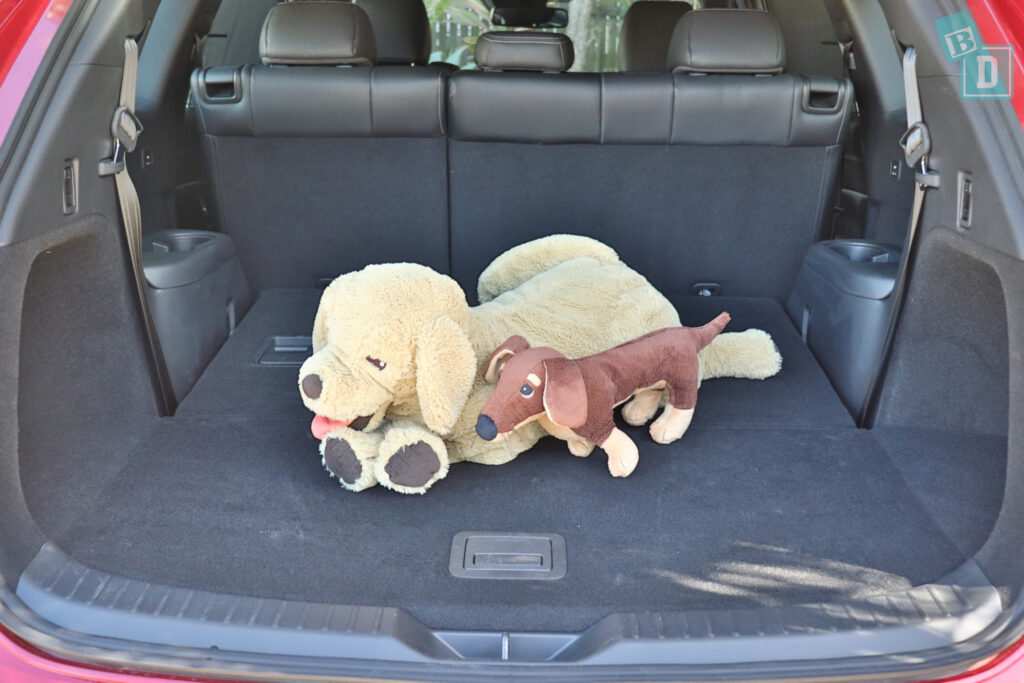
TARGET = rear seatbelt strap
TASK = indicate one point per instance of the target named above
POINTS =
(124, 130)
(917, 144)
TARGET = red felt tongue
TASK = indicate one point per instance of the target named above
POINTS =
(322, 425)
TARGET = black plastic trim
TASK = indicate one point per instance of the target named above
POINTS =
(176, 258)
(284, 351)
(76, 599)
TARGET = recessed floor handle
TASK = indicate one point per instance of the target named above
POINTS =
(507, 560)
(507, 555)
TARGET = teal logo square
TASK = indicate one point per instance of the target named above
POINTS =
(988, 73)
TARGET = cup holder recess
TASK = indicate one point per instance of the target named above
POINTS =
(171, 244)
(173, 258)
(864, 252)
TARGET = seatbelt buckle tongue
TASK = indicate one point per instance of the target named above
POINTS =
(916, 143)
(125, 128)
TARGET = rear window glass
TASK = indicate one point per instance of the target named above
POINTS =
(593, 26)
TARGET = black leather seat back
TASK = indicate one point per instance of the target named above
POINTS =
(721, 171)
(320, 161)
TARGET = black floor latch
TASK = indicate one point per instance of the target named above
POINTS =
(507, 555)
(284, 351)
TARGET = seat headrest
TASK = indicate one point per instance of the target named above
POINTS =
(727, 41)
(317, 32)
(524, 51)
(402, 30)
(646, 32)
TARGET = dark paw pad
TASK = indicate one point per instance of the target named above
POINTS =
(413, 465)
(341, 461)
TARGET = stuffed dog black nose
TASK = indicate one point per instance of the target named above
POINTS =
(312, 386)
(485, 428)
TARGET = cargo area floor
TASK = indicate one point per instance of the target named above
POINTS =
(773, 497)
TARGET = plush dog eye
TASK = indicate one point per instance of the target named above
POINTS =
(526, 391)
(379, 364)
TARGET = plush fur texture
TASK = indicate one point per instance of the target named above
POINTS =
(518, 265)
(398, 349)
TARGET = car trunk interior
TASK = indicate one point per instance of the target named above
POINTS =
(774, 497)
(783, 492)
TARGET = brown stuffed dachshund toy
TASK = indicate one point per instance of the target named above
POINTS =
(574, 400)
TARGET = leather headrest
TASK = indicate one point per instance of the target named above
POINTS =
(727, 41)
(402, 29)
(524, 51)
(319, 32)
(646, 32)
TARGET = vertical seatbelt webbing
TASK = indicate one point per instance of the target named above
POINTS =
(917, 144)
(124, 130)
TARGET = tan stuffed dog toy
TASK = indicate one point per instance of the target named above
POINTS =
(575, 400)
(395, 377)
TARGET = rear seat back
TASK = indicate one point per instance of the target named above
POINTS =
(529, 64)
(719, 172)
(321, 161)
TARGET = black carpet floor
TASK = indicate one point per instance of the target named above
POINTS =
(773, 497)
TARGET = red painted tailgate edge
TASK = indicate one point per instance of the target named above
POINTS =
(1001, 22)
(26, 29)
(17, 20)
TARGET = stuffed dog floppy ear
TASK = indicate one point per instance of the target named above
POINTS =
(445, 370)
(320, 329)
(497, 360)
(565, 394)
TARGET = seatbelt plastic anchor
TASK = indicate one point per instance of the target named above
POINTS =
(114, 164)
(926, 178)
(916, 143)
